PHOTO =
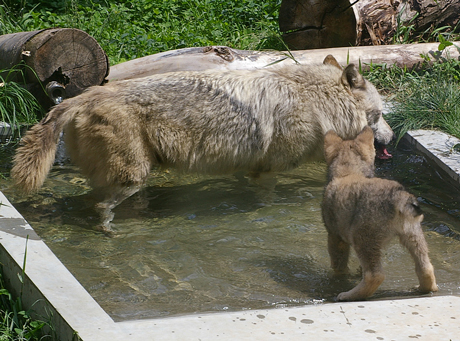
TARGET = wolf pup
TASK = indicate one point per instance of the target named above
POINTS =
(366, 213)
(214, 121)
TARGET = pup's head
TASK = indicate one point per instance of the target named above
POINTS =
(345, 157)
(368, 100)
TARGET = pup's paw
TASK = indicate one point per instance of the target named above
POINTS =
(344, 296)
(433, 287)
(427, 283)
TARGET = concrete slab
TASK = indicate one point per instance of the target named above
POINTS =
(438, 148)
(431, 319)
(57, 294)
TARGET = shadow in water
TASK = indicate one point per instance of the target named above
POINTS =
(305, 275)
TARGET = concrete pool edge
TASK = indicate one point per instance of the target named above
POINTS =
(53, 288)
(437, 146)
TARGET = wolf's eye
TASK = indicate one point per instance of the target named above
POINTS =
(376, 115)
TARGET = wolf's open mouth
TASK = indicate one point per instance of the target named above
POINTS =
(381, 151)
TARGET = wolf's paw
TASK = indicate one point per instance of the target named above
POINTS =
(106, 229)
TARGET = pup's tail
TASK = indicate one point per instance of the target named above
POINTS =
(409, 206)
(36, 152)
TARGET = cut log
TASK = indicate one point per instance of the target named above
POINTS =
(312, 24)
(193, 59)
(327, 23)
(64, 61)
(225, 58)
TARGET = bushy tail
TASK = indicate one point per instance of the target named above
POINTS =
(36, 152)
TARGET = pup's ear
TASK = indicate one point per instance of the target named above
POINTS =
(353, 78)
(366, 136)
(364, 143)
(332, 61)
(332, 143)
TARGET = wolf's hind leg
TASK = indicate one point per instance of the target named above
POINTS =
(414, 240)
(113, 198)
(373, 276)
(264, 186)
(339, 252)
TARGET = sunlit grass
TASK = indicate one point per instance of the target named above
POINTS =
(424, 98)
(17, 105)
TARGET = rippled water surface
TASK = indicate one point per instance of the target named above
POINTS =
(192, 243)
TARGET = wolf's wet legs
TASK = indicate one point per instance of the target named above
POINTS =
(264, 186)
(113, 198)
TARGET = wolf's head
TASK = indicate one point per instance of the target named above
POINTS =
(369, 100)
(345, 157)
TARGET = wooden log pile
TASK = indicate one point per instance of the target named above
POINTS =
(308, 24)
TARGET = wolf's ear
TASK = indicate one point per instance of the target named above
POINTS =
(332, 143)
(353, 78)
(332, 61)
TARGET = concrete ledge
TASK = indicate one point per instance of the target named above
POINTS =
(56, 293)
(437, 147)
(435, 318)
(49, 287)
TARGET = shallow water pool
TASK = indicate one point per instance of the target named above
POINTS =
(192, 243)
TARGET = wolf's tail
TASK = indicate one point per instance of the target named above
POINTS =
(36, 152)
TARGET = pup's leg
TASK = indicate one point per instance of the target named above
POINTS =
(370, 259)
(414, 240)
(339, 251)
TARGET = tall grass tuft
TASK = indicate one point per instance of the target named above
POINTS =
(424, 97)
(432, 104)
(17, 105)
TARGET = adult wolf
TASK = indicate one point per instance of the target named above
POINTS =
(258, 121)
(366, 213)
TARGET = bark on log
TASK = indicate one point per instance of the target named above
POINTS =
(63, 60)
(225, 58)
(327, 23)
(378, 20)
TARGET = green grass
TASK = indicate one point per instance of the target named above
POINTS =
(17, 105)
(426, 97)
(432, 104)
(131, 29)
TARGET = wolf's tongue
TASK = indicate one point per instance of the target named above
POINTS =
(383, 154)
